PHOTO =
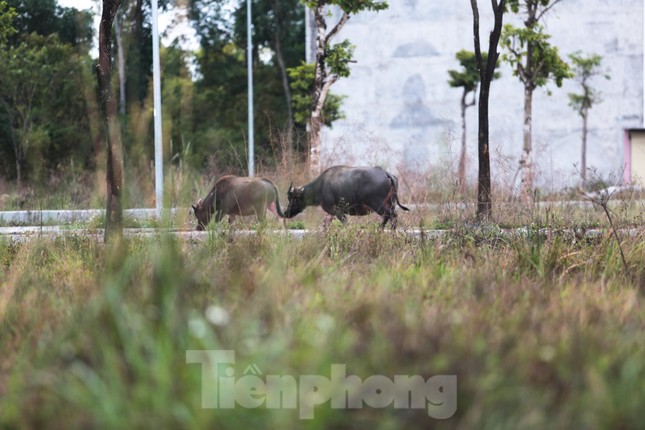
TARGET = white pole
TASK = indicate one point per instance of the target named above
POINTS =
(156, 85)
(249, 61)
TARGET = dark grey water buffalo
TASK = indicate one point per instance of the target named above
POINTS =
(237, 195)
(343, 190)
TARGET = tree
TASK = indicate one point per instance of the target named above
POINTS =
(585, 68)
(114, 177)
(302, 87)
(44, 79)
(177, 94)
(486, 75)
(45, 17)
(279, 26)
(220, 96)
(467, 78)
(7, 15)
(332, 62)
(35, 76)
(535, 62)
(135, 28)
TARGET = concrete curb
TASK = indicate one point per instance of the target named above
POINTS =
(25, 234)
(49, 217)
(38, 217)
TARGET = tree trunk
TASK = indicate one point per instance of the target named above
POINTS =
(583, 161)
(17, 147)
(315, 127)
(486, 72)
(114, 177)
(526, 164)
(18, 169)
(484, 203)
(461, 169)
(315, 122)
(120, 60)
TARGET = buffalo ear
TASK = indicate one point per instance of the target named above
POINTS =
(194, 208)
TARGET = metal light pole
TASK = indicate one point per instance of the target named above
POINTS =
(310, 35)
(249, 61)
(156, 85)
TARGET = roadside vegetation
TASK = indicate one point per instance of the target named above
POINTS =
(543, 331)
(541, 319)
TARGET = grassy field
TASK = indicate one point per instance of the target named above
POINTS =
(542, 330)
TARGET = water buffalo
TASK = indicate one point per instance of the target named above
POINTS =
(343, 190)
(237, 195)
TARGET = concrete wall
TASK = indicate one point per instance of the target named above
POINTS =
(400, 111)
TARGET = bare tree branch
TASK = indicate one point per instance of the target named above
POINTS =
(337, 28)
(546, 9)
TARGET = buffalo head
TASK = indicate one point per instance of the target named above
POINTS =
(296, 198)
(203, 213)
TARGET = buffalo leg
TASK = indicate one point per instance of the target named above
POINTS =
(273, 209)
(219, 215)
(390, 216)
(327, 221)
(388, 213)
(260, 213)
(393, 220)
(386, 218)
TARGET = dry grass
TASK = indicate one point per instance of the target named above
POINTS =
(543, 331)
(543, 327)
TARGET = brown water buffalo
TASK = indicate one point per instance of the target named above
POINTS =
(237, 195)
(343, 190)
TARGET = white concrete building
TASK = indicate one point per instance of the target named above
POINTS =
(401, 112)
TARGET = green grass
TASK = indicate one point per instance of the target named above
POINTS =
(542, 331)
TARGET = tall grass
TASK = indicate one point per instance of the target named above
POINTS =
(543, 331)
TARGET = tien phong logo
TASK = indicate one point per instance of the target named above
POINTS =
(223, 388)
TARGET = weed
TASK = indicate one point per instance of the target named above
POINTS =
(542, 327)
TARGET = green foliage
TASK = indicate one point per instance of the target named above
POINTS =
(302, 84)
(542, 65)
(584, 68)
(350, 6)
(338, 56)
(39, 81)
(45, 82)
(331, 60)
(275, 24)
(135, 20)
(524, 323)
(468, 77)
(515, 5)
(7, 15)
(45, 17)
(220, 93)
